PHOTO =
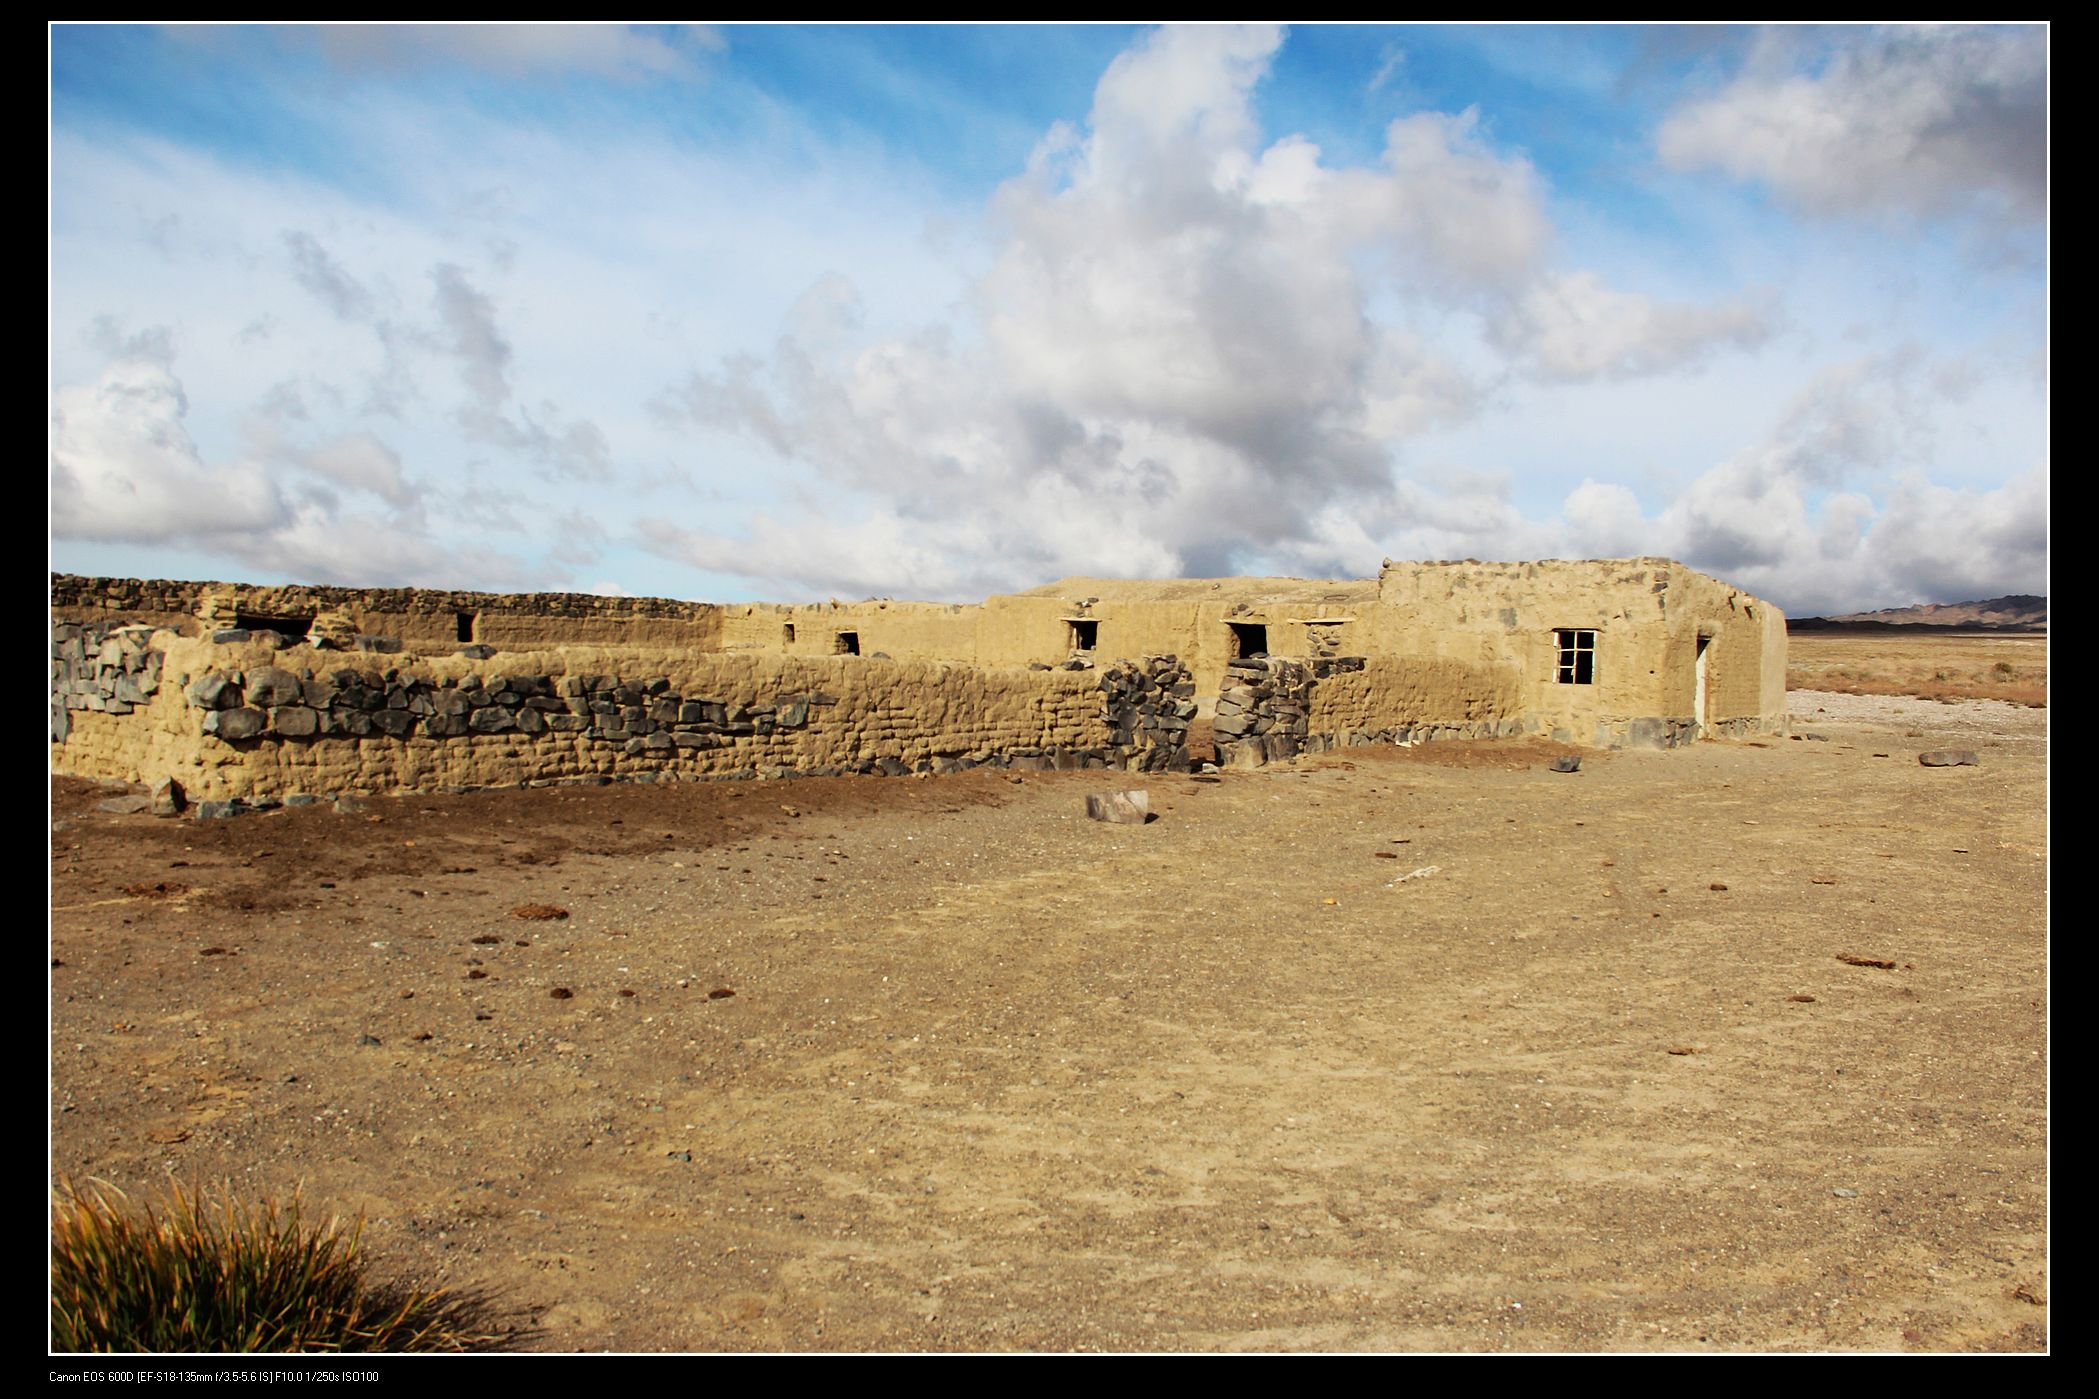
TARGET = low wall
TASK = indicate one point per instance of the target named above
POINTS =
(255, 720)
(1273, 708)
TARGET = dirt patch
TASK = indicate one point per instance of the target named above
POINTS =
(940, 1064)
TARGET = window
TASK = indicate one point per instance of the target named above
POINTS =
(290, 628)
(464, 622)
(1249, 639)
(1084, 635)
(848, 644)
(1577, 665)
(787, 634)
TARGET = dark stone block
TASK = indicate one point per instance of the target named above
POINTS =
(214, 691)
(395, 723)
(235, 725)
(494, 719)
(294, 721)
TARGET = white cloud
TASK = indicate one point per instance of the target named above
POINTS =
(362, 460)
(1916, 120)
(123, 465)
(322, 275)
(1171, 363)
(1574, 327)
(1604, 521)
(468, 320)
(124, 468)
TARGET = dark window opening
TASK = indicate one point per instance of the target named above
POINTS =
(1577, 663)
(787, 634)
(1085, 635)
(292, 628)
(848, 643)
(467, 622)
(1248, 639)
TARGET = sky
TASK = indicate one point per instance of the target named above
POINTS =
(790, 313)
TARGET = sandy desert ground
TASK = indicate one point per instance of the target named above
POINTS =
(1739, 1047)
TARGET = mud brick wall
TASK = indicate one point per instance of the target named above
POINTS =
(251, 719)
(1272, 708)
(1358, 699)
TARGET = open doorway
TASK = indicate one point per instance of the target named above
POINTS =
(1702, 686)
(1085, 634)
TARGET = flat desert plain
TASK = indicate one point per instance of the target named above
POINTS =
(1738, 1047)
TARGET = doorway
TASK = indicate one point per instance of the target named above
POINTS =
(1700, 695)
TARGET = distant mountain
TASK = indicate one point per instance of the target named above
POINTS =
(2019, 612)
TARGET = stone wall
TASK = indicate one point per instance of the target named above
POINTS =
(249, 718)
(107, 669)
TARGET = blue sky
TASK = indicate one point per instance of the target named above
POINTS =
(797, 312)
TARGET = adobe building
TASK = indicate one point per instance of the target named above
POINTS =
(259, 694)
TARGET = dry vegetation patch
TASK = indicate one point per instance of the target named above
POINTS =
(1962, 665)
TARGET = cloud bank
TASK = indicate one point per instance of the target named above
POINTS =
(1172, 364)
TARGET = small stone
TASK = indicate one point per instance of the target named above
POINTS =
(1130, 808)
(217, 811)
(1949, 758)
(168, 798)
(1566, 763)
(1844, 1192)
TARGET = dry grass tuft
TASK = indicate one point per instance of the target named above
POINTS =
(195, 1277)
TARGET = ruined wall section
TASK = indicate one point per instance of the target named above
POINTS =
(258, 723)
(418, 617)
